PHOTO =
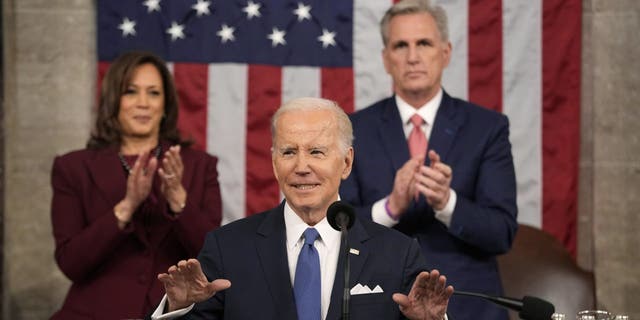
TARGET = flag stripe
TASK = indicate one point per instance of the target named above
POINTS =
(264, 97)
(371, 81)
(337, 85)
(226, 134)
(561, 117)
(455, 76)
(191, 82)
(300, 82)
(485, 54)
(522, 81)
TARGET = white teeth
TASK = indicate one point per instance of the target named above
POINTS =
(305, 186)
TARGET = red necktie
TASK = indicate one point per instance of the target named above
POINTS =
(417, 139)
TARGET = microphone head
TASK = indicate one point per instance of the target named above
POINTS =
(341, 214)
(536, 309)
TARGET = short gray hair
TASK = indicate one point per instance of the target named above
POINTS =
(415, 6)
(345, 130)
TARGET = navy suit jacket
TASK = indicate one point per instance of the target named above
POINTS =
(252, 254)
(472, 140)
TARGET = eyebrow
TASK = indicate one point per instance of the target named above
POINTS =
(153, 86)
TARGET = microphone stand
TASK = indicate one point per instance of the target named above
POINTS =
(346, 295)
(341, 217)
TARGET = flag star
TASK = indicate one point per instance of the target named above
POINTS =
(202, 7)
(327, 38)
(252, 9)
(303, 12)
(226, 33)
(152, 5)
(277, 37)
(128, 27)
(176, 31)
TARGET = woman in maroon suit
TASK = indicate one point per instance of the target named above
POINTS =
(135, 201)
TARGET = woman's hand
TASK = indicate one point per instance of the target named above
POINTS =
(171, 174)
(139, 185)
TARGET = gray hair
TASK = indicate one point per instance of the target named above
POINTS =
(345, 131)
(415, 6)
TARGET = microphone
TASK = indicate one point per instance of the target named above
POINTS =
(529, 308)
(341, 217)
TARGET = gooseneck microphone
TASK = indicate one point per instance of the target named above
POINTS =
(529, 308)
(341, 217)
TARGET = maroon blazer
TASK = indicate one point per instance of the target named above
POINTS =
(114, 271)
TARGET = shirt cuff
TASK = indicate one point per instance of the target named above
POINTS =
(157, 314)
(446, 213)
(379, 214)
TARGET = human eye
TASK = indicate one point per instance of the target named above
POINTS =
(287, 152)
(156, 93)
(317, 152)
(400, 45)
(129, 90)
(424, 43)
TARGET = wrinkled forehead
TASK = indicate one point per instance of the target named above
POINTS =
(306, 127)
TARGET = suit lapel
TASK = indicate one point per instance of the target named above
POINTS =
(112, 184)
(357, 237)
(271, 245)
(392, 134)
(445, 128)
(100, 167)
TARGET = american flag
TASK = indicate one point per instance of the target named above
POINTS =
(236, 61)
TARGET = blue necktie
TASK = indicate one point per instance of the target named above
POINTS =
(306, 287)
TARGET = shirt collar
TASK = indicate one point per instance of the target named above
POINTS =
(295, 227)
(427, 111)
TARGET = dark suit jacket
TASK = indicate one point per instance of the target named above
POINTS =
(475, 142)
(114, 271)
(252, 254)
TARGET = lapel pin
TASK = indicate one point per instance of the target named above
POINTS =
(354, 251)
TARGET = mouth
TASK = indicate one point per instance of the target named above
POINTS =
(415, 74)
(142, 118)
(305, 186)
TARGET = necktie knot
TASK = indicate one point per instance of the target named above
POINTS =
(417, 120)
(310, 236)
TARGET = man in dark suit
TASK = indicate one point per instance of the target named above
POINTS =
(257, 261)
(459, 198)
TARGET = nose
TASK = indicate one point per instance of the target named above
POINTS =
(412, 54)
(302, 164)
(143, 100)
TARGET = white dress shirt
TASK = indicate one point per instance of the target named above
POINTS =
(428, 113)
(328, 246)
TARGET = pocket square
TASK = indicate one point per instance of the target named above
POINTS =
(360, 289)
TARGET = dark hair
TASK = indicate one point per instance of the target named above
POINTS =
(107, 130)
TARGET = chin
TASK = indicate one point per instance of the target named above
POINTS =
(303, 204)
(140, 134)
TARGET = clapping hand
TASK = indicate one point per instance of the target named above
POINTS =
(171, 174)
(434, 181)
